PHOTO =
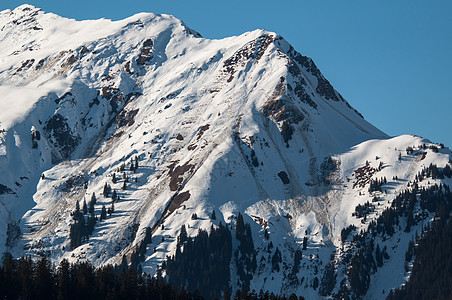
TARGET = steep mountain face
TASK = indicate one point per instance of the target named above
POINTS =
(169, 127)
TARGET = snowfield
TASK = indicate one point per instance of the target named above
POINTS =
(243, 124)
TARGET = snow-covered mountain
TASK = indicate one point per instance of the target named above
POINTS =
(178, 127)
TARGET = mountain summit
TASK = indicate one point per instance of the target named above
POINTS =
(115, 135)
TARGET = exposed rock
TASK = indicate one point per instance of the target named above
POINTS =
(25, 66)
(176, 175)
(35, 137)
(201, 131)
(146, 52)
(126, 117)
(284, 177)
(13, 232)
(73, 182)
(281, 109)
(303, 95)
(59, 131)
(177, 201)
(251, 51)
(324, 88)
(6, 190)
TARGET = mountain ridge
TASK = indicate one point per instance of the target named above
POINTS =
(239, 125)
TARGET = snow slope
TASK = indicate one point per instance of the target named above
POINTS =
(243, 124)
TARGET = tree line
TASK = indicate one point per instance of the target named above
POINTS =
(436, 199)
(27, 279)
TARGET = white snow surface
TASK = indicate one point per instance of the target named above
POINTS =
(100, 93)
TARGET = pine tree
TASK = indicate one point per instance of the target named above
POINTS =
(182, 238)
(91, 205)
(85, 207)
(63, 280)
(124, 266)
(240, 227)
(10, 283)
(213, 216)
(107, 190)
(43, 279)
(25, 277)
(276, 259)
(103, 213)
(379, 257)
(269, 248)
(410, 252)
(315, 283)
(77, 208)
(132, 166)
(305, 243)
(83, 278)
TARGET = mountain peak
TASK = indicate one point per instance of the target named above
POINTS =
(26, 8)
(165, 129)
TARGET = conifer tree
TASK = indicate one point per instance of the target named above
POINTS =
(379, 257)
(240, 227)
(11, 290)
(25, 277)
(85, 207)
(107, 190)
(103, 213)
(43, 279)
(63, 280)
(91, 204)
(77, 208)
(276, 259)
(305, 243)
(132, 166)
(182, 238)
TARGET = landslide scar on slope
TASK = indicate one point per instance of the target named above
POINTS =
(177, 173)
(177, 202)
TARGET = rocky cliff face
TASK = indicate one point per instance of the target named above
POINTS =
(165, 127)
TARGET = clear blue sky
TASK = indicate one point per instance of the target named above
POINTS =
(392, 60)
